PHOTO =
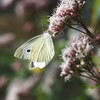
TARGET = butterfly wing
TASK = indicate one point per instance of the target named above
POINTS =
(43, 50)
(23, 51)
(39, 50)
(36, 65)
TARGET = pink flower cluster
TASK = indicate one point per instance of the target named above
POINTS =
(64, 13)
(75, 55)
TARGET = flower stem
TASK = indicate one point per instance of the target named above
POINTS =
(97, 81)
(80, 20)
(77, 29)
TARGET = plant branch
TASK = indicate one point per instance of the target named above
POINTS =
(77, 29)
(80, 20)
(90, 78)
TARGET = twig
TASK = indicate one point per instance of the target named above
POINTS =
(77, 29)
(90, 78)
(80, 20)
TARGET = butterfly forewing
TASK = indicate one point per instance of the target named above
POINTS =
(24, 50)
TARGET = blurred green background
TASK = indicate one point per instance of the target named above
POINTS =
(20, 20)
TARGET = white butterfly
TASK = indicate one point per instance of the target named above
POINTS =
(39, 50)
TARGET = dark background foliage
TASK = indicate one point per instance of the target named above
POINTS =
(20, 20)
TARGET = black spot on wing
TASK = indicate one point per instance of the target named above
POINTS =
(28, 50)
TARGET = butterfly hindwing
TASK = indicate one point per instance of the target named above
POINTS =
(36, 65)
